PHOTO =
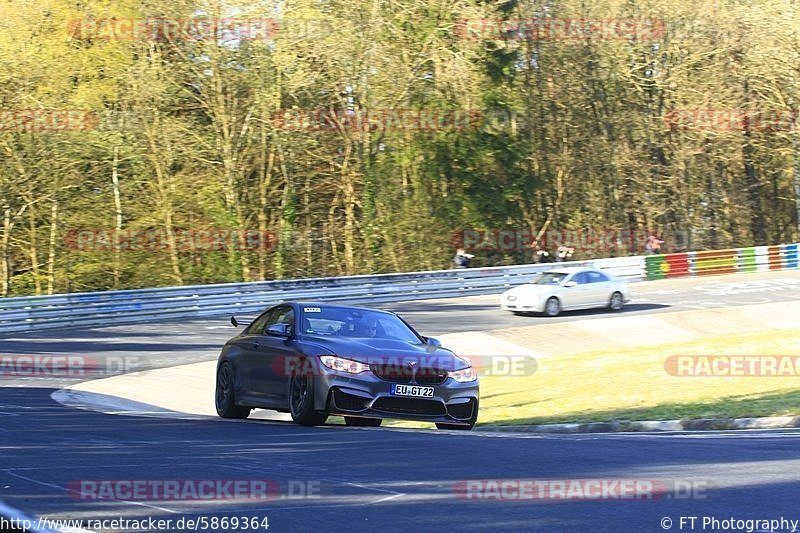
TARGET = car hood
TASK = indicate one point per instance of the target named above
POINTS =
(385, 351)
(529, 289)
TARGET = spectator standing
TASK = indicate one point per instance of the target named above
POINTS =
(653, 245)
(462, 259)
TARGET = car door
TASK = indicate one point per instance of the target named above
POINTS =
(248, 355)
(575, 296)
(272, 359)
(598, 289)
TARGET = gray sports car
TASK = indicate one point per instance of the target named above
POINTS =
(314, 360)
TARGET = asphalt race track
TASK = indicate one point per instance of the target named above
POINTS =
(356, 479)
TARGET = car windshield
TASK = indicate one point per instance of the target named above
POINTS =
(362, 323)
(549, 278)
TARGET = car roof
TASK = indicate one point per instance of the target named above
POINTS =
(569, 270)
(334, 305)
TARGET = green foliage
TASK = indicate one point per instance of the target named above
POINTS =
(571, 134)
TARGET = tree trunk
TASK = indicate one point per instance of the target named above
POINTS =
(117, 217)
(33, 250)
(5, 259)
(52, 246)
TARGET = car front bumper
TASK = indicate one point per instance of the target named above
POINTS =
(522, 305)
(367, 395)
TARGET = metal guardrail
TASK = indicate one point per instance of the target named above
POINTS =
(751, 259)
(149, 305)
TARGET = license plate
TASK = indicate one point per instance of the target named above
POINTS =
(412, 390)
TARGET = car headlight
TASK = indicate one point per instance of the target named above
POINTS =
(465, 375)
(343, 365)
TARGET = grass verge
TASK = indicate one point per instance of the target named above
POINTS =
(632, 384)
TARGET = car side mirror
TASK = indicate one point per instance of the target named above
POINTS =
(279, 330)
(571, 284)
(433, 342)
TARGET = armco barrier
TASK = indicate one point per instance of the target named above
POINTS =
(790, 256)
(667, 266)
(148, 305)
(715, 262)
(752, 259)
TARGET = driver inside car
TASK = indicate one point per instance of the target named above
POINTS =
(367, 328)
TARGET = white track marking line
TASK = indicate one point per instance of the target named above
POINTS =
(387, 498)
(59, 488)
(392, 493)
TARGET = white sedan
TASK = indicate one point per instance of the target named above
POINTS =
(566, 289)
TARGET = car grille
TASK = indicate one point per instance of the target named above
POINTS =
(430, 376)
(393, 373)
(404, 374)
(411, 406)
(349, 402)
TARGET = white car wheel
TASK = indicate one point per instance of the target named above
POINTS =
(552, 307)
(616, 301)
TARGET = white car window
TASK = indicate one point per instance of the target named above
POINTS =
(550, 278)
(597, 277)
(581, 278)
(344, 322)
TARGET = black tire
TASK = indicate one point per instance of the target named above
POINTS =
(362, 422)
(225, 394)
(301, 401)
(552, 306)
(616, 302)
